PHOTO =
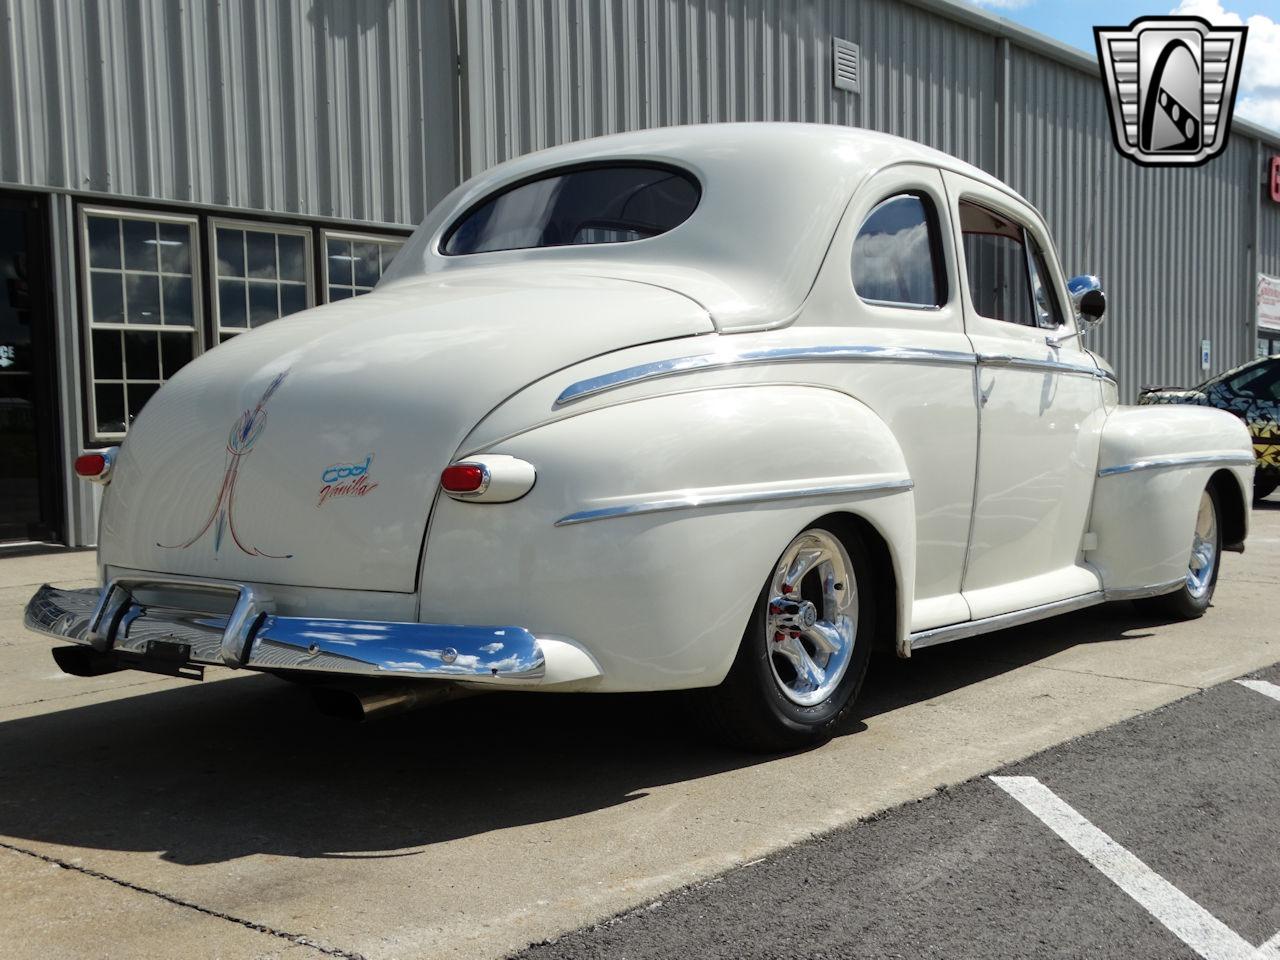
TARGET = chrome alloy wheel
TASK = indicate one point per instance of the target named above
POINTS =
(812, 618)
(1204, 549)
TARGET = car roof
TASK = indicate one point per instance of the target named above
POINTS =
(772, 195)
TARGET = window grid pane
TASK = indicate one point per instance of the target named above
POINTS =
(355, 265)
(140, 283)
(261, 275)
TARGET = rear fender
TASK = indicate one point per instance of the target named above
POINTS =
(653, 525)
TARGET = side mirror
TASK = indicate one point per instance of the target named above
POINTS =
(1087, 299)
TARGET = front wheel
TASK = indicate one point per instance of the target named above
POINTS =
(804, 654)
(1193, 598)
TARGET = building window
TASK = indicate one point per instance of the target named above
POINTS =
(143, 308)
(354, 263)
(261, 272)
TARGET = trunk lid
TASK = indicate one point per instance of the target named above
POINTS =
(308, 452)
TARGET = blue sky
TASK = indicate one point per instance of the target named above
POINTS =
(1258, 98)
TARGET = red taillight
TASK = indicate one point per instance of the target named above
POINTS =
(95, 465)
(464, 478)
(91, 465)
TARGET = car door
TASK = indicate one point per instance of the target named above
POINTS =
(889, 288)
(1039, 407)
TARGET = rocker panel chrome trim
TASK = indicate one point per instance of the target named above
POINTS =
(1151, 590)
(972, 628)
(693, 499)
(1180, 460)
(715, 361)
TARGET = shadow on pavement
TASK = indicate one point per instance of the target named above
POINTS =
(210, 772)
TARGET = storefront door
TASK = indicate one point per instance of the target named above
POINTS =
(30, 478)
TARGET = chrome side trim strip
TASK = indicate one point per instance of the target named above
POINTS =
(972, 628)
(1043, 366)
(694, 499)
(675, 366)
(1151, 590)
(714, 361)
(1181, 460)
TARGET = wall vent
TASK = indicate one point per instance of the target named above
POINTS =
(846, 65)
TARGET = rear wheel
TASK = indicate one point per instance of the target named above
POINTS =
(805, 652)
(1193, 598)
(1263, 488)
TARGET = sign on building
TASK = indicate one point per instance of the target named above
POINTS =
(1268, 303)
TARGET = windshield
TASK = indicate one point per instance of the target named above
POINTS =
(600, 204)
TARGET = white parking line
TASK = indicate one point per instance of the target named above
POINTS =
(1263, 687)
(1191, 923)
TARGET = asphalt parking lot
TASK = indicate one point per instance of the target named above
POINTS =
(1167, 849)
(143, 816)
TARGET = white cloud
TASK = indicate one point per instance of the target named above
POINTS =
(1259, 96)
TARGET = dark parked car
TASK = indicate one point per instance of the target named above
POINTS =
(1252, 393)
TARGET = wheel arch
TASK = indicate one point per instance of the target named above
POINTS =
(885, 572)
(1233, 501)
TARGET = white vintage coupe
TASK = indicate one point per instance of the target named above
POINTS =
(717, 408)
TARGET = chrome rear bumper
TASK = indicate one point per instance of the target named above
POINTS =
(168, 618)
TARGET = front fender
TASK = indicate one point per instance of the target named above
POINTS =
(700, 493)
(1154, 462)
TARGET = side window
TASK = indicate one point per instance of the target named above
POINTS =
(897, 256)
(1262, 382)
(996, 265)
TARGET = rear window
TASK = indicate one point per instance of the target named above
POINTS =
(598, 204)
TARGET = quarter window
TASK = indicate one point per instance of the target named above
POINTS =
(261, 273)
(354, 263)
(1048, 313)
(601, 204)
(1008, 274)
(143, 311)
(896, 255)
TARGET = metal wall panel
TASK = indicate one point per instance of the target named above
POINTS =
(542, 72)
(312, 107)
(1173, 245)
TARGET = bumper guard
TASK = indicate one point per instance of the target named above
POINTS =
(163, 616)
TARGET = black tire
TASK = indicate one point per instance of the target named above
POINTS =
(1187, 603)
(749, 709)
(1263, 487)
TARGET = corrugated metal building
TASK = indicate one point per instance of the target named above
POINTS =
(173, 172)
